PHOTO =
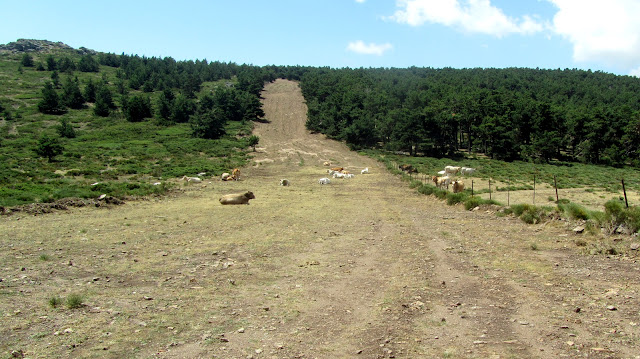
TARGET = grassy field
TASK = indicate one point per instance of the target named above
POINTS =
(125, 158)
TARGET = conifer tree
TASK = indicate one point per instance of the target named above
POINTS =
(50, 102)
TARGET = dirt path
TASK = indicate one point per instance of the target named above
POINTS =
(360, 268)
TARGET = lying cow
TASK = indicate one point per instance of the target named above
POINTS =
(237, 198)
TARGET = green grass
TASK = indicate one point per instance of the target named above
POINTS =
(520, 175)
(125, 158)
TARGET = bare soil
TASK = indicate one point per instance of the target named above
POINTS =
(360, 268)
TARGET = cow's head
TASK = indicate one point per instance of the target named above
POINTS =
(249, 195)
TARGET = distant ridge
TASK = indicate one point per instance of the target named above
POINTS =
(30, 45)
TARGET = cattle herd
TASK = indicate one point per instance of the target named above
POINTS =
(447, 177)
(443, 179)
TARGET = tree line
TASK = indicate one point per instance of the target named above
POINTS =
(163, 89)
(507, 114)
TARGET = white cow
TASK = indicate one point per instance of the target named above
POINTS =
(451, 170)
(324, 180)
(467, 171)
(364, 171)
(192, 179)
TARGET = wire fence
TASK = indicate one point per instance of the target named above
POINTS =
(508, 191)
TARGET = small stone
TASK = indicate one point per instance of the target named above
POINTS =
(241, 330)
(569, 343)
(578, 229)
(611, 308)
(634, 246)
(68, 330)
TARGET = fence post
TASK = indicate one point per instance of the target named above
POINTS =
(508, 190)
(625, 194)
(489, 189)
(555, 184)
(471, 188)
(534, 190)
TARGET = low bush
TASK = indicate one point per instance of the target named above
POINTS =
(455, 198)
(575, 211)
(617, 214)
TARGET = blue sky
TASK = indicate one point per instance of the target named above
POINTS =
(584, 34)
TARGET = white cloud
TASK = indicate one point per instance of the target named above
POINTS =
(368, 49)
(360, 1)
(469, 15)
(601, 31)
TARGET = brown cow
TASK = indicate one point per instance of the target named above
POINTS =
(235, 174)
(458, 186)
(237, 198)
(337, 169)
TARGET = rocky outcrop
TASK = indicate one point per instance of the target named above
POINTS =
(29, 45)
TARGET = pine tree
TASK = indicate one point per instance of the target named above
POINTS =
(104, 101)
(209, 125)
(50, 102)
(88, 64)
(51, 63)
(165, 106)
(138, 108)
(65, 129)
(90, 92)
(48, 147)
(71, 94)
(27, 60)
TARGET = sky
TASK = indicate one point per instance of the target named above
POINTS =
(592, 35)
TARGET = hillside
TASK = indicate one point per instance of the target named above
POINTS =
(364, 268)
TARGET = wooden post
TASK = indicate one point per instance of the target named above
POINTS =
(471, 188)
(508, 190)
(555, 184)
(534, 190)
(489, 189)
(625, 194)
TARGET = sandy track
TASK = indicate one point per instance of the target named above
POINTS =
(361, 268)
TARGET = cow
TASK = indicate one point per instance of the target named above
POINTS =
(237, 198)
(451, 170)
(191, 179)
(467, 171)
(324, 180)
(458, 186)
(284, 182)
(236, 174)
(225, 176)
(337, 169)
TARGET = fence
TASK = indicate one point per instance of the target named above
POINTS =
(490, 189)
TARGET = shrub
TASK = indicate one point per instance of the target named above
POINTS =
(575, 211)
(528, 213)
(54, 302)
(74, 301)
(617, 214)
(455, 198)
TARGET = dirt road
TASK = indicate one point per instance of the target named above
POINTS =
(360, 268)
